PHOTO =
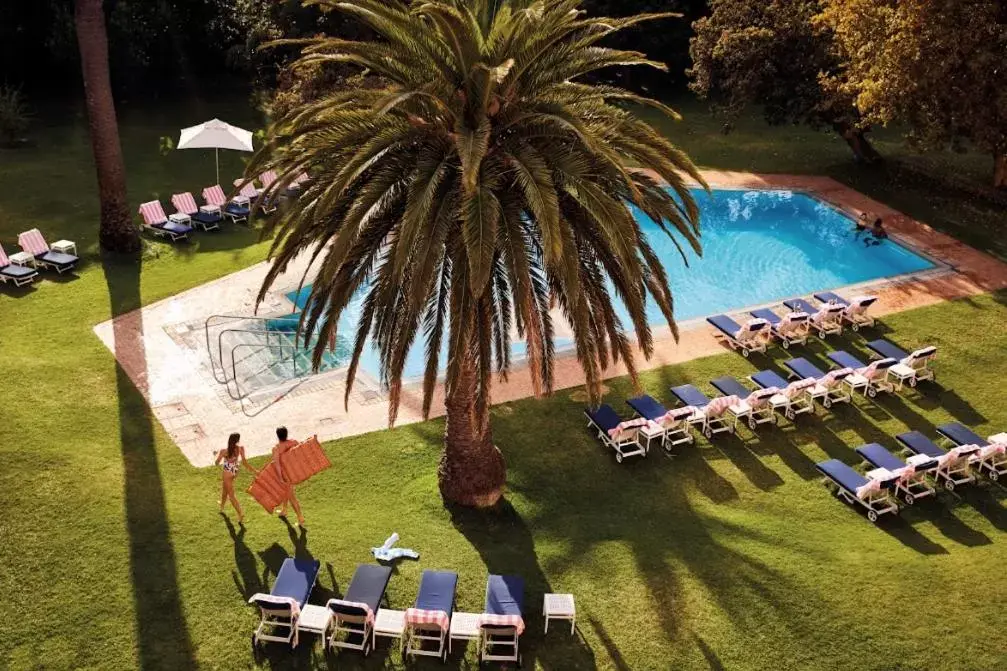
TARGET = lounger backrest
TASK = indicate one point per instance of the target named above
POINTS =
(923, 353)
(152, 213)
(367, 586)
(267, 178)
(184, 203)
(247, 189)
(725, 325)
(4, 261)
(33, 242)
(214, 195)
(604, 417)
(437, 591)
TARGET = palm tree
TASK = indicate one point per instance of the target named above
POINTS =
(117, 232)
(484, 183)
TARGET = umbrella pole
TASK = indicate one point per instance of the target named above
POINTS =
(216, 160)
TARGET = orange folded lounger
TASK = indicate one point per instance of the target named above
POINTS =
(301, 462)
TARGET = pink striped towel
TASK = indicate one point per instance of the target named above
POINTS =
(627, 425)
(214, 195)
(758, 399)
(368, 618)
(673, 417)
(4, 261)
(33, 242)
(267, 178)
(719, 405)
(416, 616)
(515, 621)
(153, 213)
(796, 388)
(869, 488)
(184, 203)
(833, 377)
(248, 189)
(259, 599)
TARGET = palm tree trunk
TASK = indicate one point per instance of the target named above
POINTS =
(117, 232)
(1000, 170)
(472, 471)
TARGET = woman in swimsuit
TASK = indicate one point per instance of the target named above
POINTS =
(230, 458)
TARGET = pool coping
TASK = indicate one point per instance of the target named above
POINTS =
(150, 343)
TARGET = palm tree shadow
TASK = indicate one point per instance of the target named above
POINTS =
(506, 546)
(162, 633)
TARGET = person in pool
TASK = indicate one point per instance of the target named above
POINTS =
(230, 457)
(279, 450)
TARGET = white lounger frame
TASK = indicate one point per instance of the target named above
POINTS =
(877, 504)
(746, 346)
(20, 281)
(992, 467)
(498, 637)
(340, 624)
(162, 233)
(958, 472)
(273, 619)
(831, 326)
(417, 634)
(628, 445)
(711, 426)
(792, 407)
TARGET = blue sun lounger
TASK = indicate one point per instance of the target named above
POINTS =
(871, 379)
(848, 481)
(10, 272)
(802, 369)
(913, 367)
(626, 443)
(752, 337)
(826, 319)
(790, 330)
(791, 407)
(351, 618)
(758, 407)
(854, 310)
(950, 473)
(990, 462)
(692, 396)
(437, 594)
(911, 487)
(279, 617)
(498, 641)
(674, 429)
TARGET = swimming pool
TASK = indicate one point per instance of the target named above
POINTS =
(758, 247)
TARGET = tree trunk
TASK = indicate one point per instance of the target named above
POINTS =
(863, 150)
(117, 232)
(472, 471)
(1000, 170)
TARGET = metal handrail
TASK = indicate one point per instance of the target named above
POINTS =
(237, 386)
(220, 354)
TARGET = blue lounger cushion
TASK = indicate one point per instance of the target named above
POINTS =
(296, 579)
(437, 591)
(57, 259)
(959, 434)
(842, 475)
(236, 210)
(768, 315)
(845, 359)
(800, 305)
(17, 272)
(207, 217)
(725, 324)
(769, 378)
(605, 417)
(831, 297)
(887, 349)
(647, 407)
(367, 586)
(730, 386)
(917, 443)
(504, 595)
(878, 456)
(804, 368)
(174, 227)
(690, 395)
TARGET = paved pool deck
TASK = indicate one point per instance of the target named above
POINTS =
(162, 347)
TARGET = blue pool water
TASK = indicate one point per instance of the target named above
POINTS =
(758, 247)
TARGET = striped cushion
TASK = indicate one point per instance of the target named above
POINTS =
(184, 203)
(153, 213)
(33, 242)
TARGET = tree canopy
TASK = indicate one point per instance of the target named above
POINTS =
(939, 66)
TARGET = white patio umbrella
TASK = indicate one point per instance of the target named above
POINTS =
(215, 134)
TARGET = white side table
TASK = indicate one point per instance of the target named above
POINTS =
(65, 247)
(210, 209)
(240, 200)
(390, 623)
(559, 607)
(22, 259)
(313, 619)
(464, 627)
(998, 438)
(180, 218)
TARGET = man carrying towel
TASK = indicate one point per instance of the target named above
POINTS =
(282, 447)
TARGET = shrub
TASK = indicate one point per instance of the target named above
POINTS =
(13, 115)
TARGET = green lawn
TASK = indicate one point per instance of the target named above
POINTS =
(730, 555)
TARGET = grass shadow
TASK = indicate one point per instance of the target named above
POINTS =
(163, 639)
